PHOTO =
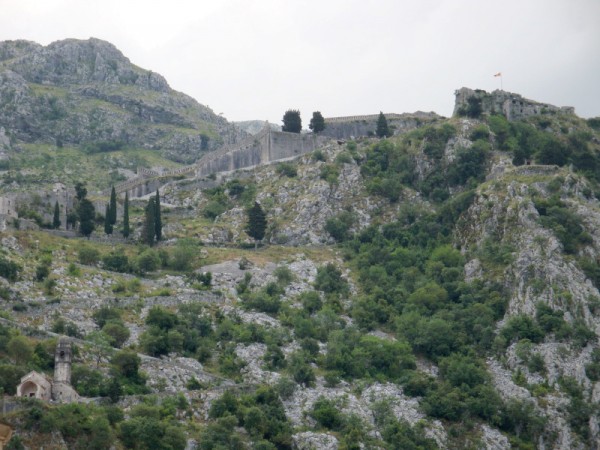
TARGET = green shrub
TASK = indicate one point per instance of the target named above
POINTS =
(327, 414)
(214, 209)
(147, 261)
(318, 155)
(330, 173)
(73, 270)
(116, 261)
(343, 158)
(183, 255)
(88, 256)
(9, 269)
(522, 327)
(480, 132)
(329, 280)
(286, 170)
(339, 226)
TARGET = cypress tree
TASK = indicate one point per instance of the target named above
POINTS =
(149, 228)
(108, 228)
(86, 213)
(56, 219)
(382, 126)
(157, 218)
(257, 223)
(126, 216)
(113, 206)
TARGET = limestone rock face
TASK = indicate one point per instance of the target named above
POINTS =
(75, 92)
(308, 440)
(512, 106)
(538, 271)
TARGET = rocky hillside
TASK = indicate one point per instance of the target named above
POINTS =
(88, 95)
(436, 289)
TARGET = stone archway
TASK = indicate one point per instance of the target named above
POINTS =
(29, 389)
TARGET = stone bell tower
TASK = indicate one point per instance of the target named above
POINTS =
(62, 361)
(61, 385)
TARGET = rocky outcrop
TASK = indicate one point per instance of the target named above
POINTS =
(82, 93)
(536, 271)
(513, 106)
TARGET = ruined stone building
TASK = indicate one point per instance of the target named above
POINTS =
(8, 207)
(41, 386)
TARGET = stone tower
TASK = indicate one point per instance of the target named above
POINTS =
(62, 361)
(61, 385)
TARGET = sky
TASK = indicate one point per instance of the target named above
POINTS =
(254, 59)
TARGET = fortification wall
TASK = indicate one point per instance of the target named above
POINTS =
(264, 147)
(510, 105)
(358, 126)
(267, 146)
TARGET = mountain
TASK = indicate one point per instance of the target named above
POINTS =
(435, 289)
(87, 94)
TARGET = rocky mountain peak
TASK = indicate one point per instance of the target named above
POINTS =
(74, 62)
(84, 92)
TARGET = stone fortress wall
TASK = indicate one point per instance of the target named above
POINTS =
(265, 147)
(351, 127)
(269, 146)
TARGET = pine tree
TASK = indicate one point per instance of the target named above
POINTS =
(382, 126)
(149, 228)
(317, 123)
(113, 206)
(157, 218)
(257, 223)
(56, 219)
(126, 216)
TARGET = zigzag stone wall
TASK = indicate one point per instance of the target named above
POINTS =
(265, 147)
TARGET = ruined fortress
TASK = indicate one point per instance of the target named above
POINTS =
(510, 105)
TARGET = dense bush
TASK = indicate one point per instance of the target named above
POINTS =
(9, 269)
(88, 255)
(329, 280)
(339, 226)
(116, 261)
(566, 225)
(147, 261)
(261, 413)
(287, 170)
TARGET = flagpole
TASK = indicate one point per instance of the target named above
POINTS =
(499, 74)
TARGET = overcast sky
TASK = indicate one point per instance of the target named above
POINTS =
(253, 59)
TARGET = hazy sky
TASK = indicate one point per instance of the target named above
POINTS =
(253, 59)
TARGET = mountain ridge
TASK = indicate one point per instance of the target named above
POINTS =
(80, 92)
